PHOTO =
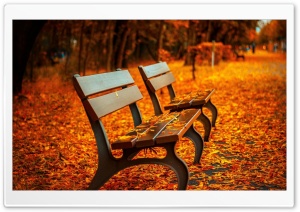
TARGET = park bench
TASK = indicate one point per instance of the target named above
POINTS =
(103, 94)
(238, 55)
(158, 76)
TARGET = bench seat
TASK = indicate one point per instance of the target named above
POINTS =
(162, 130)
(190, 100)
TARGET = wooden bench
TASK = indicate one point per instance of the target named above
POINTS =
(160, 131)
(236, 53)
(158, 76)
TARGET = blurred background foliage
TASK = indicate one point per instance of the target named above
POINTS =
(65, 47)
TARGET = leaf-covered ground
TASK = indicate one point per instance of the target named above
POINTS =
(54, 146)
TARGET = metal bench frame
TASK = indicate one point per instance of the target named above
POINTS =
(97, 107)
(158, 76)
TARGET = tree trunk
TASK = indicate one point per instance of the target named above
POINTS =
(131, 43)
(110, 47)
(101, 44)
(121, 52)
(191, 41)
(24, 35)
(88, 48)
(69, 48)
(160, 39)
(121, 34)
(80, 46)
(209, 31)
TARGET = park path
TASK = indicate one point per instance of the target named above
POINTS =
(54, 149)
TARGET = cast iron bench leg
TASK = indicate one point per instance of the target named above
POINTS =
(207, 125)
(111, 167)
(103, 174)
(172, 160)
(177, 165)
(209, 105)
(196, 138)
(108, 167)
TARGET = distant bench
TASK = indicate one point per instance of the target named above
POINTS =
(158, 76)
(160, 131)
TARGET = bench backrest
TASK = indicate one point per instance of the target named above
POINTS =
(118, 88)
(156, 77)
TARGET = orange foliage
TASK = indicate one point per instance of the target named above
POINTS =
(54, 146)
(204, 52)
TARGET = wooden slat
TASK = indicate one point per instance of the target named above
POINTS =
(125, 142)
(160, 81)
(173, 105)
(148, 138)
(175, 130)
(89, 85)
(129, 140)
(146, 132)
(192, 99)
(155, 69)
(182, 101)
(103, 105)
(203, 97)
(187, 102)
